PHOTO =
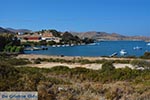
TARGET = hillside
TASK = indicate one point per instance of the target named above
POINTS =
(108, 36)
(3, 30)
(90, 34)
(19, 30)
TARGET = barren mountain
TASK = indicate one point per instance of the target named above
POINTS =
(3, 30)
(19, 30)
(108, 36)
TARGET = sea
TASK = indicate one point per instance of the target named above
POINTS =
(102, 48)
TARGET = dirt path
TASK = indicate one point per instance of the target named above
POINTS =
(33, 56)
(93, 66)
(88, 66)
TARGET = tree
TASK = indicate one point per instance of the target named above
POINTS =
(55, 33)
(43, 42)
(5, 39)
(87, 40)
(13, 48)
(51, 43)
(19, 49)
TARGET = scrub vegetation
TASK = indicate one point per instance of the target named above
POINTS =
(63, 83)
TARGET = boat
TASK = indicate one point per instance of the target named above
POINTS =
(36, 48)
(67, 45)
(114, 54)
(63, 45)
(58, 45)
(148, 44)
(44, 48)
(53, 45)
(32, 49)
(123, 52)
(137, 48)
(92, 44)
(28, 49)
(72, 45)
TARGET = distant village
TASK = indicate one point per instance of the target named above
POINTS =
(37, 37)
(52, 37)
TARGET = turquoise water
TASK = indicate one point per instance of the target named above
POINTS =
(104, 48)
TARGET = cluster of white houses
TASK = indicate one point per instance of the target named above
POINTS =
(36, 37)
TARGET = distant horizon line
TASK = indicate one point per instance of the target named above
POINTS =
(32, 30)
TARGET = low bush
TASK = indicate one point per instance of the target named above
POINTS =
(140, 63)
(146, 55)
(75, 83)
(37, 61)
(107, 66)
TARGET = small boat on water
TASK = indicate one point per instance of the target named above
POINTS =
(148, 44)
(72, 45)
(58, 45)
(67, 45)
(114, 54)
(28, 49)
(35, 48)
(44, 48)
(32, 49)
(63, 45)
(137, 48)
(53, 45)
(95, 43)
(92, 44)
(123, 52)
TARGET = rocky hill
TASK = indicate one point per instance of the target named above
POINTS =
(19, 30)
(3, 30)
(108, 36)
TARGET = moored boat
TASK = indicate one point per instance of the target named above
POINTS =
(137, 48)
(148, 44)
(114, 54)
(123, 52)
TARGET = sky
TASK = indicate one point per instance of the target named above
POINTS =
(126, 17)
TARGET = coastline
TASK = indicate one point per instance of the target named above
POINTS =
(94, 66)
(35, 56)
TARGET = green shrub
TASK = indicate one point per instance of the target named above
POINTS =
(107, 66)
(140, 63)
(13, 48)
(60, 69)
(15, 61)
(7, 48)
(37, 61)
(19, 49)
(146, 55)
(8, 76)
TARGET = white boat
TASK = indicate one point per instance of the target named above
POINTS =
(148, 44)
(44, 48)
(28, 49)
(114, 54)
(36, 48)
(92, 44)
(72, 45)
(53, 45)
(137, 48)
(63, 45)
(67, 45)
(123, 52)
(58, 45)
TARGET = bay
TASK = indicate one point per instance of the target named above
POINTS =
(103, 48)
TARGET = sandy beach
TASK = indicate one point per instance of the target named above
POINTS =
(35, 56)
(93, 66)
(88, 66)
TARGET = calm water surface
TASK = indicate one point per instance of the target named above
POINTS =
(104, 48)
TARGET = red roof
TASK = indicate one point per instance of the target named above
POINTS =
(32, 38)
